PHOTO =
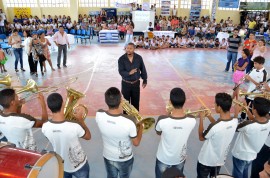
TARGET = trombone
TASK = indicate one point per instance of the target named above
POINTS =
(31, 86)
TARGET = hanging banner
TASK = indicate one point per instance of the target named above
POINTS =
(165, 7)
(195, 9)
(214, 9)
(146, 6)
(24, 11)
(122, 5)
(228, 3)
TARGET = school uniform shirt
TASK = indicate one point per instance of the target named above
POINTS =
(64, 137)
(267, 142)
(217, 144)
(172, 148)
(251, 138)
(15, 127)
(146, 44)
(258, 76)
(117, 132)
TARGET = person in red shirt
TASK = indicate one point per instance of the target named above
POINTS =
(174, 23)
(122, 30)
(250, 44)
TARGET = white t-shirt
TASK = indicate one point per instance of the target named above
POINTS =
(251, 138)
(174, 12)
(217, 144)
(172, 148)
(116, 131)
(64, 137)
(16, 128)
(258, 77)
(267, 142)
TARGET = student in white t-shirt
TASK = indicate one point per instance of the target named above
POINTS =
(251, 137)
(15, 126)
(64, 137)
(174, 130)
(118, 134)
(217, 137)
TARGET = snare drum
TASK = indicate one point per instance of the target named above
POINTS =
(224, 176)
(21, 163)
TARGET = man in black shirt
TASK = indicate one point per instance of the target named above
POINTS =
(131, 68)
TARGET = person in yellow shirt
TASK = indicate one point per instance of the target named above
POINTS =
(251, 25)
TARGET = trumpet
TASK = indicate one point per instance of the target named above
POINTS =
(264, 94)
(244, 107)
(147, 123)
(169, 108)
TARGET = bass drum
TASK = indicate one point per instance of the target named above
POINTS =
(224, 176)
(21, 163)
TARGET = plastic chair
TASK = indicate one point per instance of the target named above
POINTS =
(66, 30)
(6, 48)
(3, 37)
(72, 32)
(78, 35)
(87, 36)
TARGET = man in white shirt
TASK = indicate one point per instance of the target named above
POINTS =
(174, 130)
(217, 137)
(61, 40)
(251, 137)
(256, 77)
(64, 137)
(150, 27)
(118, 134)
(15, 126)
(174, 11)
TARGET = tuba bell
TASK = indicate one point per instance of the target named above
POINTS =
(6, 80)
(70, 106)
(147, 123)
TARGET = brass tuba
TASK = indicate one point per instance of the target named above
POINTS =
(6, 80)
(147, 123)
(70, 106)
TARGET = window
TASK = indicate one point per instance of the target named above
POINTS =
(157, 2)
(205, 4)
(185, 4)
(112, 2)
(54, 3)
(93, 3)
(21, 3)
(174, 3)
(237, 9)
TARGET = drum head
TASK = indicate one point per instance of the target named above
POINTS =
(224, 176)
(49, 165)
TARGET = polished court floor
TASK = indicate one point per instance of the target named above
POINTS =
(198, 71)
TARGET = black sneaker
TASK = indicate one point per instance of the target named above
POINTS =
(23, 69)
(65, 65)
(58, 66)
(16, 70)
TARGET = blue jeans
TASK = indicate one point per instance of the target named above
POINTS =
(128, 39)
(81, 173)
(161, 167)
(115, 168)
(240, 168)
(18, 56)
(231, 56)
